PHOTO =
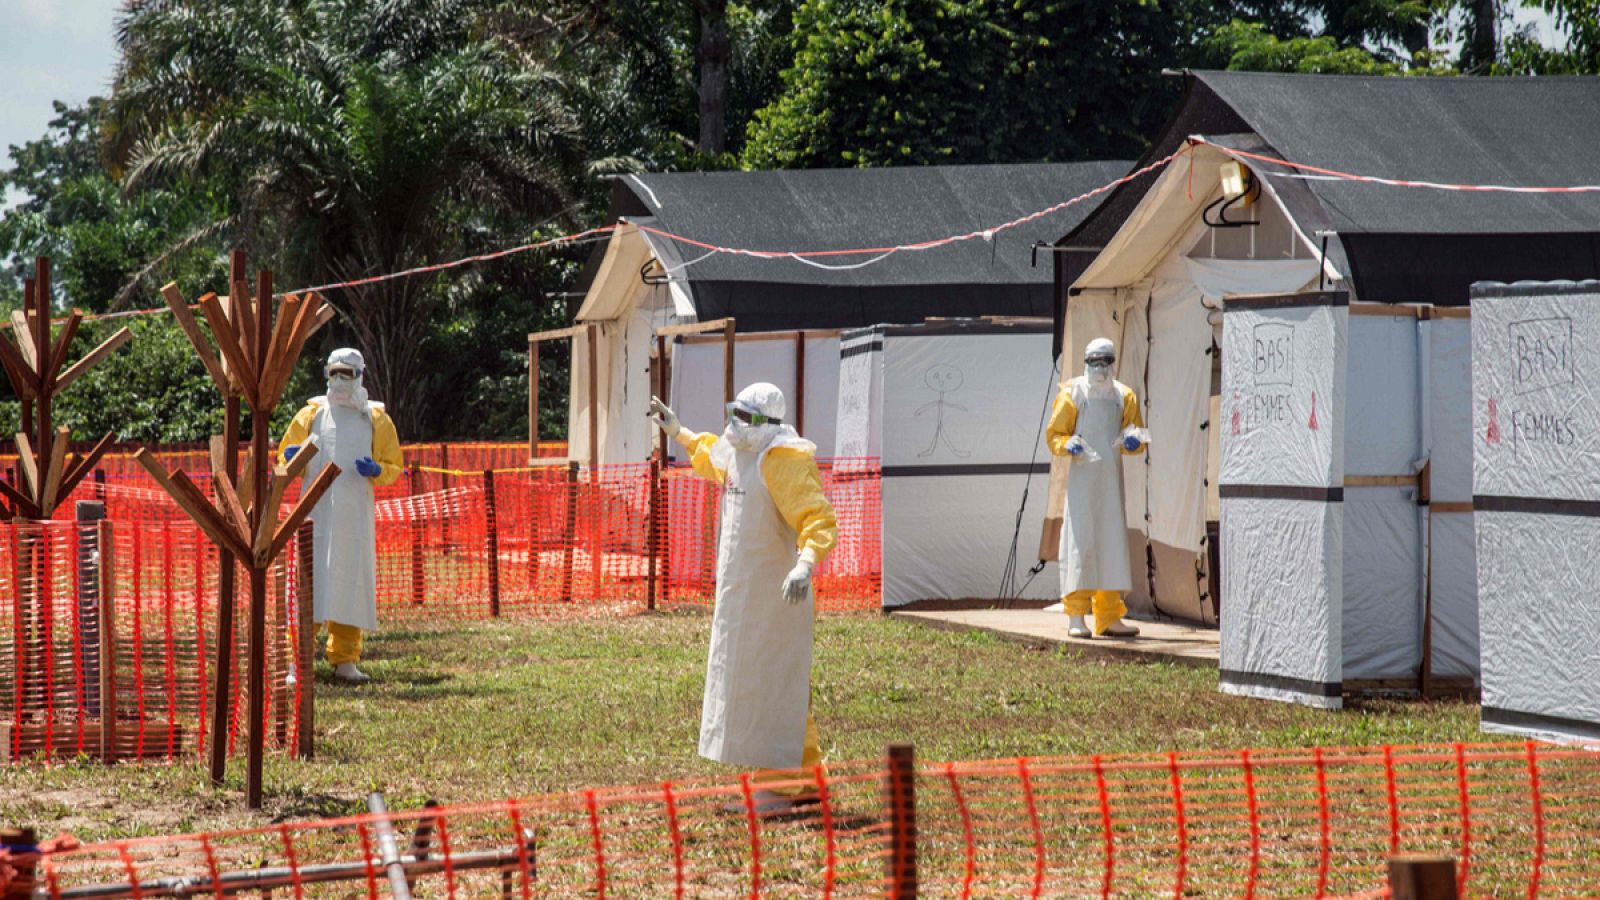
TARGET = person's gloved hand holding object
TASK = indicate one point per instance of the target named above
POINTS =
(1075, 445)
(664, 417)
(1131, 442)
(368, 467)
(290, 451)
(797, 586)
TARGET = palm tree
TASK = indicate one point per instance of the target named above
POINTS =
(354, 138)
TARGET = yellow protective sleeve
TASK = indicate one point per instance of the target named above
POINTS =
(698, 443)
(796, 488)
(386, 449)
(299, 430)
(1063, 422)
(1130, 416)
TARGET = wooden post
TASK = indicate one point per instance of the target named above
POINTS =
(258, 573)
(569, 533)
(492, 542)
(596, 532)
(418, 572)
(305, 587)
(100, 485)
(533, 399)
(900, 795)
(663, 390)
(651, 539)
(1422, 878)
(227, 576)
(729, 391)
(107, 624)
(22, 842)
(592, 336)
(799, 382)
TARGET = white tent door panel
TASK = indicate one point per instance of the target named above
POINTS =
(1536, 485)
(1282, 472)
(948, 537)
(697, 383)
(1452, 553)
(622, 391)
(1383, 526)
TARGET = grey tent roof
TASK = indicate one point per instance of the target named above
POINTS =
(822, 209)
(1409, 244)
(1506, 131)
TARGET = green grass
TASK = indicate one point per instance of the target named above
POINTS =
(517, 708)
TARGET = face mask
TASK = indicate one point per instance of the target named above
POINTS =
(341, 389)
(1098, 372)
(740, 435)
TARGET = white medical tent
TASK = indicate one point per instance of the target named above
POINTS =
(1393, 604)
(642, 278)
(955, 411)
(1536, 484)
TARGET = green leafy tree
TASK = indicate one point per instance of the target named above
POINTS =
(357, 139)
(1247, 46)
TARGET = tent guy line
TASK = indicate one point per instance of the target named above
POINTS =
(879, 254)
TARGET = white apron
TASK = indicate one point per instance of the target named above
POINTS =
(1094, 530)
(758, 676)
(345, 568)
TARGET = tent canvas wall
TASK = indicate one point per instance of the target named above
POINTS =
(955, 410)
(776, 357)
(641, 278)
(1536, 485)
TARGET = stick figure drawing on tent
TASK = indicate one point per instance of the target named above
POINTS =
(945, 380)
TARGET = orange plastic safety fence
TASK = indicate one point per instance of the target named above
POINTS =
(106, 641)
(1519, 819)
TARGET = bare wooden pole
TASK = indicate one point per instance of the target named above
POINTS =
(729, 391)
(800, 382)
(259, 416)
(533, 399)
(227, 570)
(592, 336)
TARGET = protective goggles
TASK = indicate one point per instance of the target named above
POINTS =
(1099, 360)
(737, 412)
(340, 372)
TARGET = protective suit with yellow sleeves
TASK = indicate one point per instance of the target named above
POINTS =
(1094, 423)
(358, 435)
(776, 529)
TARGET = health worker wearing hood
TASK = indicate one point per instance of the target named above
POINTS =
(356, 434)
(776, 529)
(1094, 423)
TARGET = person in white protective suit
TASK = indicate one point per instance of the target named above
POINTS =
(1094, 423)
(777, 528)
(357, 435)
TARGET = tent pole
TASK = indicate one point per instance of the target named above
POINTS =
(728, 390)
(800, 381)
(592, 333)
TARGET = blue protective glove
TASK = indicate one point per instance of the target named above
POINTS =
(367, 467)
(1131, 443)
(1075, 446)
(290, 451)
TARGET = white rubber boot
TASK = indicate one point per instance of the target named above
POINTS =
(348, 673)
(1120, 628)
(1078, 628)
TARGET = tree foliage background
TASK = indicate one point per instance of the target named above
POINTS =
(335, 139)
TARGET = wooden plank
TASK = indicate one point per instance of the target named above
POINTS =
(193, 502)
(268, 517)
(729, 389)
(1380, 481)
(592, 338)
(557, 334)
(228, 342)
(693, 328)
(302, 458)
(302, 508)
(58, 353)
(17, 369)
(279, 366)
(28, 465)
(533, 399)
(83, 465)
(228, 501)
(1451, 506)
(19, 326)
(106, 348)
(1452, 312)
(247, 486)
(53, 472)
(1422, 878)
(242, 310)
(191, 330)
(750, 337)
(24, 505)
(1393, 310)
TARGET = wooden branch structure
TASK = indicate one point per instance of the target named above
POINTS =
(256, 350)
(36, 367)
